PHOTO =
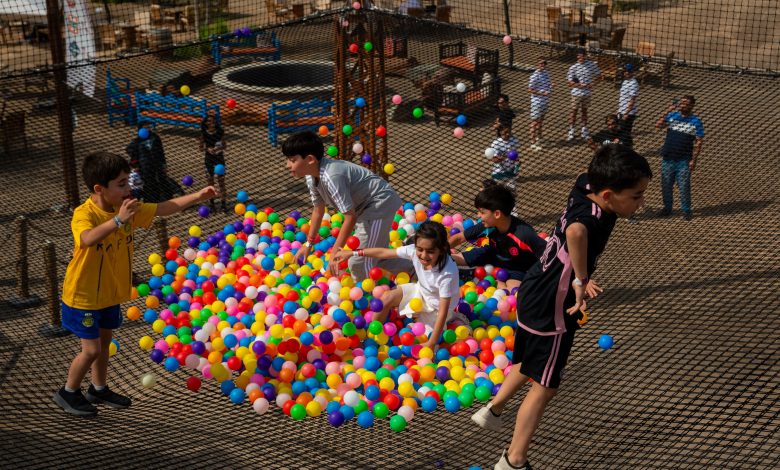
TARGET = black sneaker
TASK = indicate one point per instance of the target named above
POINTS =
(664, 213)
(112, 399)
(74, 403)
(687, 216)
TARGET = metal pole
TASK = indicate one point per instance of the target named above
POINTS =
(65, 117)
(54, 327)
(24, 299)
(509, 33)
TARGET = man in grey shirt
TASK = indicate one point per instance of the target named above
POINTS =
(367, 201)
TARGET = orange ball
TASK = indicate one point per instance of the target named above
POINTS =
(323, 130)
(133, 313)
(421, 216)
(152, 302)
(304, 398)
(174, 242)
(286, 375)
(254, 395)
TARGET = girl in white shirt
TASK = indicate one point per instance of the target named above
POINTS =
(436, 290)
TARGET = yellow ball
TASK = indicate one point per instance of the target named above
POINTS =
(416, 304)
(402, 278)
(496, 376)
(427, 373)
(171, 339)
(394, 236)
(158, 270)
(195, 231)
(313, 408)
(148, 380)
(154, 258)
(406, 389)
(462, 332)
(111, 349)
(158, 326)
(389, 168)
(185, 90)
(218, 344)
(506, 331)
(220, 372)
(426, 353)
(240, 209)
(368, 285)
(458, 373)
(446, 198)
(387, 384)
(437, 218)
(146, 343)
(277, 331)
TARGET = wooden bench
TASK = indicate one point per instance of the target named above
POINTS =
(120, 101)
(295, 116)
(452, 102)
(175, 111)
(469, 61)
(262, 46)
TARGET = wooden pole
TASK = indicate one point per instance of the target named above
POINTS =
(509, 33)
(54, 327)
(23, 299)
(161, 226)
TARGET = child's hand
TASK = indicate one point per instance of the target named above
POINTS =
(341, 256)
(431, 343)
(593, 290)
(207, 193)
(128, 209)
(302, 254)
(579, 303)
(335, 260)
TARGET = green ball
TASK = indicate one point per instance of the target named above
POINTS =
(360, 407)
(391, 362)
(205, 314)
(348, 328)
(184, 331)
(230, 353)
(333, 151)
(397, 423)
(197, 322)
(143, 290)
(383, 281)
(185, 339)
(197, 292)
(417, 113)
(368, 46)
(298, 412)
(175, 308)
(402, 233)
(398, 217)
(324, 232)
(167, 290)
(466, 399)
(381, 373)
(482, 393)
(471, 297)
(491, 280)
(381, 410)
(223, 315)
(479, 306)
(273, 217)
(375, 327)
(448, 394)
(450, 336)
(347, 129)
(468, 388)
(301, 221)
(289, 235)
(320, 375)
(441, 390)
(305, 282)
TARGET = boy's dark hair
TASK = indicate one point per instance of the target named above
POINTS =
(102, 167)
(504, 97)
(502, 127)
(495, 197)
(617, 167)
(436, 232)
(611, 118)
(691, 99)
(303, 143)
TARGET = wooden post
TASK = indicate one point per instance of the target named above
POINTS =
(23, 299)
(54, 327)
(161, 226)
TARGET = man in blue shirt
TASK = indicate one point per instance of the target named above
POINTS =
(684, 137)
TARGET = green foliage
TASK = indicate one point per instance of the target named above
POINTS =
(189, 52)
(220, 26)
(625, 5)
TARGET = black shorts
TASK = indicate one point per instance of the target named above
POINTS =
(483, 255)
(212, 161)
(542, 357)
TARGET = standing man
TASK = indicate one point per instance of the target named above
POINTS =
(627, 105)
(684, 137)
(581, 77)
(540, 87)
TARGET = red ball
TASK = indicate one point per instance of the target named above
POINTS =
(353, 48)
(353, 242)
(480, 272)
(193, 383)
(485, 356)
(231, 103)
(392, 401)
(308, 370)
(381, 131)
(268, 210)
(293, 345)
(171, 254)
(407, 339)
(375, 273)
(293, 295)
(287, 406)
(434, 394)
(234, 363)
(486, 344)
(334, 232)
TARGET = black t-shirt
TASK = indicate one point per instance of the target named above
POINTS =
(212, 139)
(546, 291)
(608, 136)
(517, 249)
(505, 116)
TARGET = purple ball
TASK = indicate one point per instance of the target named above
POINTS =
(187, 290)
(270, 393)
(295, 215)
(359, 322)
(326, 337)
(484, 283)
(237, 32)
(220, 235)
(261, 296)
(335, 418)
(276, 240)
(171, 299)
(258, 347)
(187, 181)
(443, 374)
(211, 240)
(318, 364)
(157, 356)
(248, 229)
(375, 305)
(430, 212)
(192, 242)
(198, 347)
(436, 205)
(263, 362)
(454, 231)
(290, 227)
(512, 155)
(203, 211)
(238, 226)
(496, 388)
(366, 159)
(464, 307)
(157, 293)
(251, 251)
(246, 31)
(502, 275)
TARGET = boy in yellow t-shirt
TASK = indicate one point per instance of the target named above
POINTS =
(98, 278)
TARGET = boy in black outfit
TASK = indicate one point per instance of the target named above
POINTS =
(613, 134)
(513, 244)
(552, 297)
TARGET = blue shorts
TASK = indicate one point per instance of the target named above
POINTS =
(88, 323)
(483, 255)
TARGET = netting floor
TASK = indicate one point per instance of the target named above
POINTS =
(692, 381)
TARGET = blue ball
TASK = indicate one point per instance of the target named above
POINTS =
(157, 356)
(143, 133)
(227, 386)
(348, 412)
(219, 169)
(429, 404)
(267, 263)
(360, 102)
(452, 404)
(230, 341)
(605, 341)
(434, 196)
(150, 315)
(372, 392)
(237, 396)
(306, 338)
(366, 419)
(461, 120)
(242, 196)
(171, 364)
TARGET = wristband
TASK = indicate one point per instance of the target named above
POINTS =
(581, 282)
(307, 243)
(358, 253)
(118, 221)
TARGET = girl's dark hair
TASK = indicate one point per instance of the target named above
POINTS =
(436, 232)
(303, 143)
(617, 167)
(102, 167)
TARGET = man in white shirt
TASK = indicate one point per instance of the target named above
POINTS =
(627, 104)
(540, 87)
(582, 77)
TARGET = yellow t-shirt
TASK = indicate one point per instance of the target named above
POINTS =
(100, 276)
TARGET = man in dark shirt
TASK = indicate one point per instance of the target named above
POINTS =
(505, 113)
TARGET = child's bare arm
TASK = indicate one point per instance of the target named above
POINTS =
(441, 319)
(457, 240)
(459, 259)
(379, 253)
(577, 242)
(180, 203)
(94, 235)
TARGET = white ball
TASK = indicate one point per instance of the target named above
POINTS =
(148, 380)
(461, 87)
(260, 405)
(357, 148)
(407, 412)
(351, 398)
(282, 398)
(490, 152)
(250, 292)
(405, 378)
(192, 361)
(190, 254)
(489, 268)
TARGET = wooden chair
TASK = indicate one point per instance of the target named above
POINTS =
(609, 66)
(416, 12)
(143, 23)
(599, 11)
(107, 35)
(13, 127)
(614, 41)
(158, 18)
(651, 67)
(443, 13)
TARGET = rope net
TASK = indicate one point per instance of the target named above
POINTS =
(691, 381)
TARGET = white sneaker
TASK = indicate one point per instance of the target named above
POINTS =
(585, 133)
(571, 135)
(536, 147)
(487, 420)
(503, 464)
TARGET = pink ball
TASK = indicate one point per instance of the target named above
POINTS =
(356, 5)
(457, 218)
(472, 344)
(500, 361)
(283, 249)
(447, 220)
(214, 320)
(355, 293)
(257, 379)
(207, 372)
(416, 350)
(507, 39)
(390, 329)
(498, 346)
(332, 368)
(511, 300)
(423, 361)
(418, 329)
(503, 306)
(162, 345)
(397, 99)
(342, 389)
(377, 292)
(327, 321)
(358, 361)
(166, 314)
(353, 380)
(457, 132)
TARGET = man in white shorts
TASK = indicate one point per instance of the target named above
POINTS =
(582, 76)
(540, 88)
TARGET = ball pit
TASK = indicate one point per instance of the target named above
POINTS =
(234, 309)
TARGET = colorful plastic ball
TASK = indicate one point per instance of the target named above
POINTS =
(417, 113)
(368, 46)
(357, 148)
(507, 40)
(148, 380)
(353, 48)
(429, 404)
(381, 131)
(260, 405)
(231, 103)
(187, 181)
(242, 196)
(171, 364)
(336, 418)
(353, 242)
(397, 99)
(332, 151)
(185, 90)
(490, 152)
(360, 102)
(219, 169)
(237, 396)
(381, 410)
(482, 393)
(389, 168)
(461, 120)
(193, 383)
(143, 133)
(605, 342)
(457, 132)
(347, 129)
(452, 404)
(397, 423)
(203, 211)
(502, 275)
(512, 155)
(323, 131)
(365, 419)
(366, 159)
(298, 412)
